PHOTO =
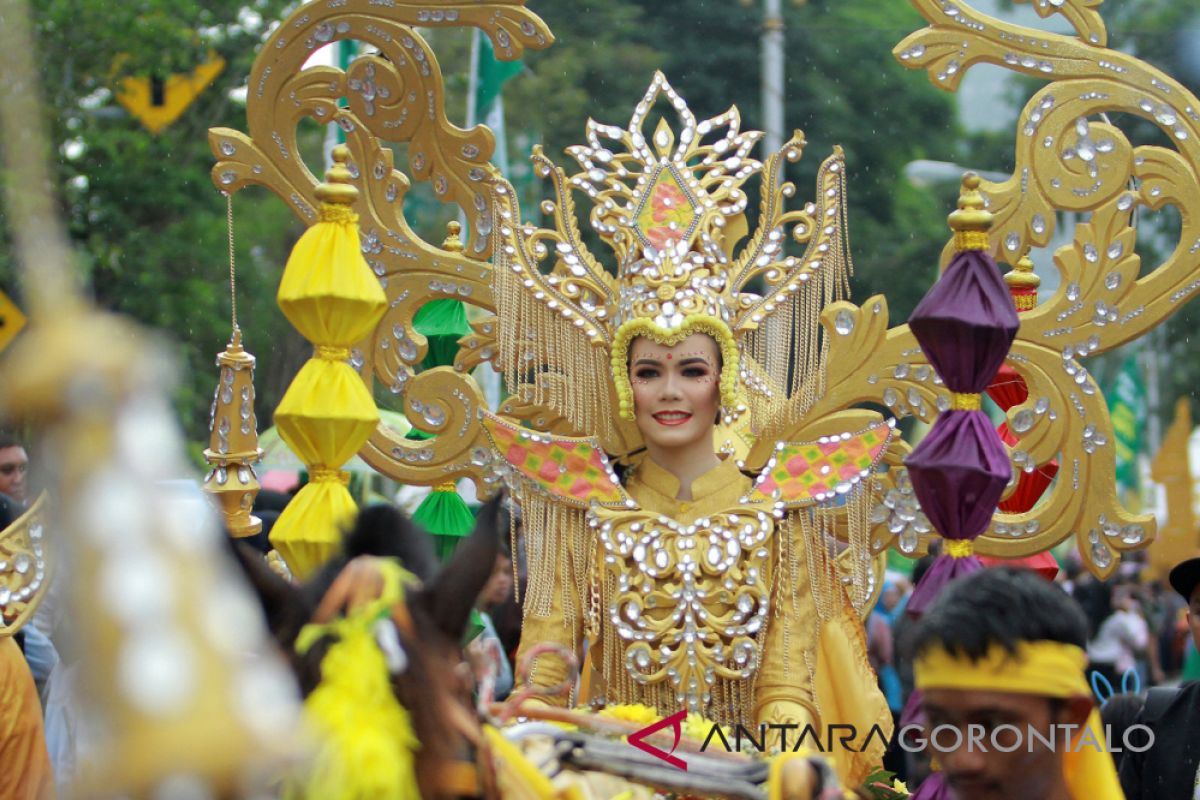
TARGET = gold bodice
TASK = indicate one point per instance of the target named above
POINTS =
(685, 589)
(685, 608)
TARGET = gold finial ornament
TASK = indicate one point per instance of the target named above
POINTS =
(338, 188)
(453, 242)
(1023, 283)
(971, 222)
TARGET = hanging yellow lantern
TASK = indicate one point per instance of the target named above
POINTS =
(327, 414)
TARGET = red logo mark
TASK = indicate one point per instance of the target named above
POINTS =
(675, 722)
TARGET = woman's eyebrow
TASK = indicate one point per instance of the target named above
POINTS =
(647, 360)
(695, 360)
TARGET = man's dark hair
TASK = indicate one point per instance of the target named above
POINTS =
(9, 438)
(1000, 605)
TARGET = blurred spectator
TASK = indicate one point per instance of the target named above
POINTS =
(1122, 636)
(1169, 768)
(1095, 598)
(496, 591)
(14, 463)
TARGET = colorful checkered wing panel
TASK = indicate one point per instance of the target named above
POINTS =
(804, 473)
(575, 470)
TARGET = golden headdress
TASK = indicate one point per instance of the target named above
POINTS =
(667, 206)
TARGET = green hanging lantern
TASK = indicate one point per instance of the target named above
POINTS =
(446, 515)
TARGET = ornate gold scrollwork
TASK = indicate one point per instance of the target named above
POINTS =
(394, 95)
(1068, 161)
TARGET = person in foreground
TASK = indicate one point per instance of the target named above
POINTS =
(1171, 767)
(1000, 658)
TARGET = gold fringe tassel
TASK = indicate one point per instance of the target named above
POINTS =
(790, 346)
(549, 361)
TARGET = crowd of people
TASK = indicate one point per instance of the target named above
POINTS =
(1003, 659)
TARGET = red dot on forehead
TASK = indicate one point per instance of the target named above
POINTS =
(668, 356)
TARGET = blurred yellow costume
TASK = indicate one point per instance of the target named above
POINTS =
(24, 763)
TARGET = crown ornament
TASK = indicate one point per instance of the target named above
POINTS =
(671, 208)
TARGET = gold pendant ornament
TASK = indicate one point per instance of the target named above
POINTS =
(232, 426)
(233, 441)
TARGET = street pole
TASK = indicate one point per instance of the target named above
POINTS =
(772, 75)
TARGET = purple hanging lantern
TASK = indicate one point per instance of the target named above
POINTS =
(965, 325)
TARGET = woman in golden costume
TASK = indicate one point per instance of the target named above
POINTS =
(703, 577)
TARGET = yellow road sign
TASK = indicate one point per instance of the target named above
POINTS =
(11, 320)
(157, 102)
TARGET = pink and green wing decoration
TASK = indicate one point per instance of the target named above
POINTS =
(806, 473)
(573, 470)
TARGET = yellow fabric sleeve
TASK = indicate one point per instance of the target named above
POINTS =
(848, 691)
(547, 669)
(784, 689)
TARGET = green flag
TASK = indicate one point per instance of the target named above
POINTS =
(490, 75)
(1127, 407)
(486, 104)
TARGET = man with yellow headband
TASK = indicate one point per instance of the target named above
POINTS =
(1000, 660)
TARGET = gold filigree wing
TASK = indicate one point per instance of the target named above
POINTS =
(24, 568)
(573, 471)
(446, 403)
(552, 338)
(867, 362)
(819, 226)
(396, 95)
(1081, 14)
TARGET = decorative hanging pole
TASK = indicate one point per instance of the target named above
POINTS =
(327, 414)
(965, 324)
(232, 427)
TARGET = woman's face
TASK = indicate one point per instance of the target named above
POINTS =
(676, 390)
